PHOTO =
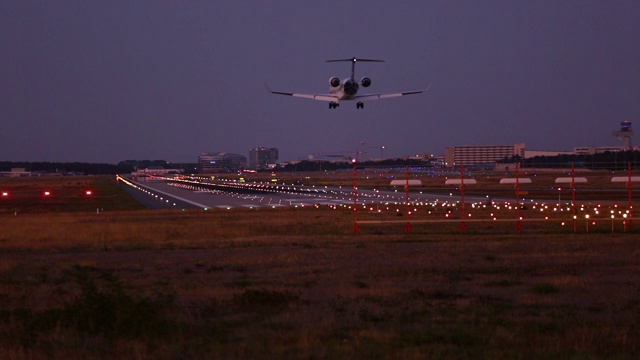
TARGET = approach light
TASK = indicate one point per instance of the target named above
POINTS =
(88, 193)
(47, 193)
(5, 194)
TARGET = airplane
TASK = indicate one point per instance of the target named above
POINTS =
(347, 89)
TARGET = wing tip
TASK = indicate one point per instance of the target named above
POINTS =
(277, 92)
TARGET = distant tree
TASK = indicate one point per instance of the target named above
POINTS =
(64, 168)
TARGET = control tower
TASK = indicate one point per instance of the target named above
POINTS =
(625, 133)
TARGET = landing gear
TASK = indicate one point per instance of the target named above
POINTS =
(333, 105)
(360, 105)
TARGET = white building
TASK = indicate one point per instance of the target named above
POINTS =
(15, 172)
(477, 155)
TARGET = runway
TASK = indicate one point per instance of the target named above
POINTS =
(164, 193)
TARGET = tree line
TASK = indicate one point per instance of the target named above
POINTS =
(123, 167)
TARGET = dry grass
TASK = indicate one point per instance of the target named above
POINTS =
(330, 296)
(297, 283)
(164, 228)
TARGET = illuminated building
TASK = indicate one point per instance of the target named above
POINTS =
(209, 163)
(261, 157)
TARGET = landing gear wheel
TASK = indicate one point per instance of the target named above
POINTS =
(333, 105)
(360, 105)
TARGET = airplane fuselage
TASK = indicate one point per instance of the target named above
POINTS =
(347, 89)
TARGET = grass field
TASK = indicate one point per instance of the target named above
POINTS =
(67, 194)
(297, 283)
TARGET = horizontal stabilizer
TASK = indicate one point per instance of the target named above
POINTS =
(354, 59)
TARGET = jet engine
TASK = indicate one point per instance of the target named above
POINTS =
(334, 82)
(365, 82)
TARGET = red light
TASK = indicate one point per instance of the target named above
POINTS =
(47, 193)
(88, 192)
(5, 194)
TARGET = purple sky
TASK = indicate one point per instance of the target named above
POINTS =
(104, 81)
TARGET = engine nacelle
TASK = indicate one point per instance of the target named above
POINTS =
(365, 82)
(334, 82)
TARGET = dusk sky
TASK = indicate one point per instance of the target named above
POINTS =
(105, 81)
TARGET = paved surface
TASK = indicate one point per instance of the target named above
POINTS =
(162, 194)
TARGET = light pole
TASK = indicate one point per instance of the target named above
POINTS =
(612, 221)
(559, 194)
(586, 217)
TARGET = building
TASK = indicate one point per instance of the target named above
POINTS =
(590, 150)
(15, 172)
(157, 170)
(603, 149)
(625, 133)
(261, 157)
(480, 155)
(584, 150)
(533, 153)
(209, 163)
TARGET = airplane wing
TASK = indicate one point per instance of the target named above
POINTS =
(320, 97)
(366, 97)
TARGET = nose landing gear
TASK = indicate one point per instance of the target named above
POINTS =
(333, 105)
(360, 105)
